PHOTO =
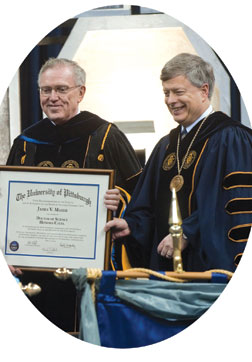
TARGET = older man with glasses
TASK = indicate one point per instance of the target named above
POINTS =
(71, 138)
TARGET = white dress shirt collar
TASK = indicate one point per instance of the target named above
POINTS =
(203, 115)
(55, 123)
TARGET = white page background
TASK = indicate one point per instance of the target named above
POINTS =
(223, 333)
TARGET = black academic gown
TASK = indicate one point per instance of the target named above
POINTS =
(85, 141)
(215, 200)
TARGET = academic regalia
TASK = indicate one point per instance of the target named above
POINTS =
(85, 141)
(215, 200)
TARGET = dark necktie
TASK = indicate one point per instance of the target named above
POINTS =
(183, 133)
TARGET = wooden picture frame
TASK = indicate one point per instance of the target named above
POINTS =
(54, 217)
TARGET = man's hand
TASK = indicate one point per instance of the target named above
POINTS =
(120, 228)
(165, 247)
(15, 271)
(112, 199)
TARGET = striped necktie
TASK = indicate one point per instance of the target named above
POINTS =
(183, 133)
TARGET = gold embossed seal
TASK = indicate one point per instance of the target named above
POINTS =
(70, 164)
(169, 162)
(189, 159)
(45, 164)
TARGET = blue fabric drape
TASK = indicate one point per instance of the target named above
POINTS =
(88, 326)
(134, 313)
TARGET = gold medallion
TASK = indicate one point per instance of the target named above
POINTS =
(70, 164)
(177, 182)
(45, 164)
(189, 159)
(169, 162)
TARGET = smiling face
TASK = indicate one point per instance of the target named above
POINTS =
(60, 107)
(185, 102)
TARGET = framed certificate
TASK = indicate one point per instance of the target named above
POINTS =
(54, 217)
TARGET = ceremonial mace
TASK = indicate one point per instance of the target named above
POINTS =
(176, 231)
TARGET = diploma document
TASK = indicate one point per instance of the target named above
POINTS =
(54, 217)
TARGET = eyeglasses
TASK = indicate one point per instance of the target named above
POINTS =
(59, 89)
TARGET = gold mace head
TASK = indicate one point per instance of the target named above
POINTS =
(175, 222)
(174, 214)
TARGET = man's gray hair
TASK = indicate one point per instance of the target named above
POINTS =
(193, 67)
(78, 72)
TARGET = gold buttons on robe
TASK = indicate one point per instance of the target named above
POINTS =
(100, 157)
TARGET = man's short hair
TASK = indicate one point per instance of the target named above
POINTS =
(78, 72)
(193, 67)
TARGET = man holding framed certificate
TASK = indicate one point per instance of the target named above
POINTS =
(66, 139)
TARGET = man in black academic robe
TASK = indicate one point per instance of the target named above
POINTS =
(74, 139)
(85, 141)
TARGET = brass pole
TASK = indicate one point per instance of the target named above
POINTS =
(175, 222)
(64, 274)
